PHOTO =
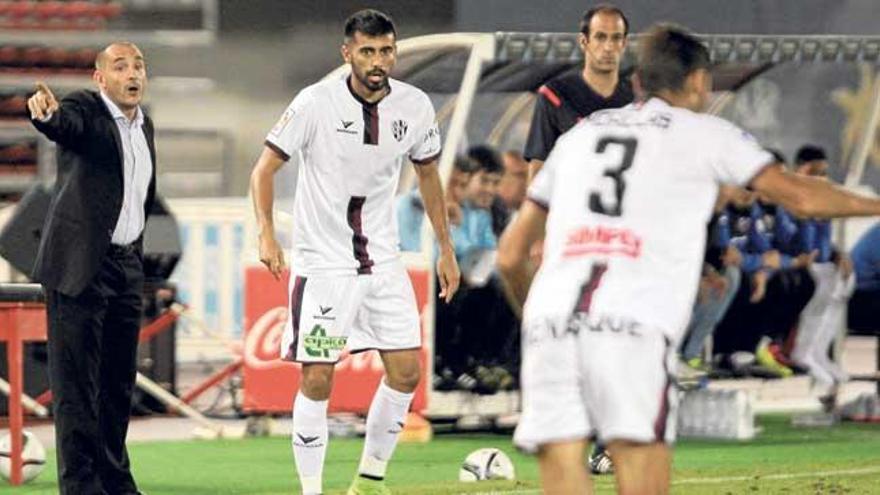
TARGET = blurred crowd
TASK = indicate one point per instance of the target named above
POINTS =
(775, 292)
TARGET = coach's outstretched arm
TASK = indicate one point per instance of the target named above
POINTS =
(435, 206)
(263, 192)
(62, 123)
(808, 197)
(513, 251)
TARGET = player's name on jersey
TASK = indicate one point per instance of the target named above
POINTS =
(616, 117)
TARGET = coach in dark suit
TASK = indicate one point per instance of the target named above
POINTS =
(90, 264)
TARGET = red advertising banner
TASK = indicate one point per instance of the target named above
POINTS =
(270, 383)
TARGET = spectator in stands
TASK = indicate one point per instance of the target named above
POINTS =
(511, 190)
(863, 316)
(824, 317)
(720, 280)
(411, 210)
(474, 234)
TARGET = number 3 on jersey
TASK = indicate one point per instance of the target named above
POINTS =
(615, 173)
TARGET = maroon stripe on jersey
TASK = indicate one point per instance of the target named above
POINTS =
(427, 160)
(274, 147)
(296, 301)
(585, 299)
(371, 124)
(358, 239)
(663, 414)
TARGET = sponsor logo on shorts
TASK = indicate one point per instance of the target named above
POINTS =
(323, 316)
(318, 344)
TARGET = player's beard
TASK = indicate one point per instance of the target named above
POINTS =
(374, 86)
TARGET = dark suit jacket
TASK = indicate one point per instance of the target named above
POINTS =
(88, 191)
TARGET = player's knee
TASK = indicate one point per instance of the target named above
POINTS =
(317, 382)
(404, 378)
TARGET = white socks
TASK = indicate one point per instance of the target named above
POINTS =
(309, 441)
(385, 421)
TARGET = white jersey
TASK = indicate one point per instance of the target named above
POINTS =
(629, 193)
(350, 154)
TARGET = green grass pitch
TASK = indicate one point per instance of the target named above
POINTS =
(841, 460)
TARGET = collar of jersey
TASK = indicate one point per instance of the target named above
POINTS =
(362, 101)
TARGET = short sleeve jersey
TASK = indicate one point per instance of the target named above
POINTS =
(350, 154)
(562, 103)
(629, 193)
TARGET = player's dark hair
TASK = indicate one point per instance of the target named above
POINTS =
(602, 8)
(777, 155)
(667, 54)
(370, 22)
(809, 153)
(485, 159)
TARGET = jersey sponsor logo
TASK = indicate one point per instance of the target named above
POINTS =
(279, 126)
(601, 240)
(398, 129)
(554, 329)
(347, 127)
(318, 344)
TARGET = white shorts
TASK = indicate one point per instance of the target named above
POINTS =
(608, 377)
(361, 312)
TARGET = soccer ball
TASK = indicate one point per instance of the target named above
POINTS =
(33, 457)
(486, 464)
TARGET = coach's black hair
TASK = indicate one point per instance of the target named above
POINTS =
(602, 8)
(809, 153)
(370, 22)
(667, 54)
(486, 159)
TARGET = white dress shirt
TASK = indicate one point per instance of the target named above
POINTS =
(136, 173)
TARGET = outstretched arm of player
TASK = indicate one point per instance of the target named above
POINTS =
(808, 197)
(435, 206)
(61, 122)
(263, 193)
(513, 250)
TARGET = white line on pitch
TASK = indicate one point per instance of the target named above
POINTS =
(723, 479)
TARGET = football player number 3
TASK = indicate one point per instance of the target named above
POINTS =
(598, 201)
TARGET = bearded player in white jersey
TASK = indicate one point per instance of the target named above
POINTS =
(348, 287)
(624, 198)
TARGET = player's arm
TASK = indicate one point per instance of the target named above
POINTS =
(808, 197)
(435, 206)
(543, 131)
(535, 166)
(513, 251)
(61, 122)
(263, 193)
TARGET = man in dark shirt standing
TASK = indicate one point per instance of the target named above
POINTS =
(574, 95)
(568, 98)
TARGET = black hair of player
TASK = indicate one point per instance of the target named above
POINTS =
(777, 155)
(602, 8)
(485, 159)
(370, 22)
(809, 153)
(667, 55)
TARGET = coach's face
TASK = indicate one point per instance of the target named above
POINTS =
(605, 42)
(371, 58)
(121, 73)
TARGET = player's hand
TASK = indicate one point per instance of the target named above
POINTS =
(772, 259)
(43, 103)
(805, 259)
(759, 287)
(845, 265)
(732, 257)
(272, 255)
(447, 273)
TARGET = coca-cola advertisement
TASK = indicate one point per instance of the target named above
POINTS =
(270, 383)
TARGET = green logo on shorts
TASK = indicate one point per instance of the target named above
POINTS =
(318, 344)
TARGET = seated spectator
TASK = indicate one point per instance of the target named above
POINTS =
(825, 314)
(863, 315)
(411, 211)
(511, 190)
(720, 280)
(474, 234)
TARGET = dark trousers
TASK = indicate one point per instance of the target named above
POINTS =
(92, 363)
